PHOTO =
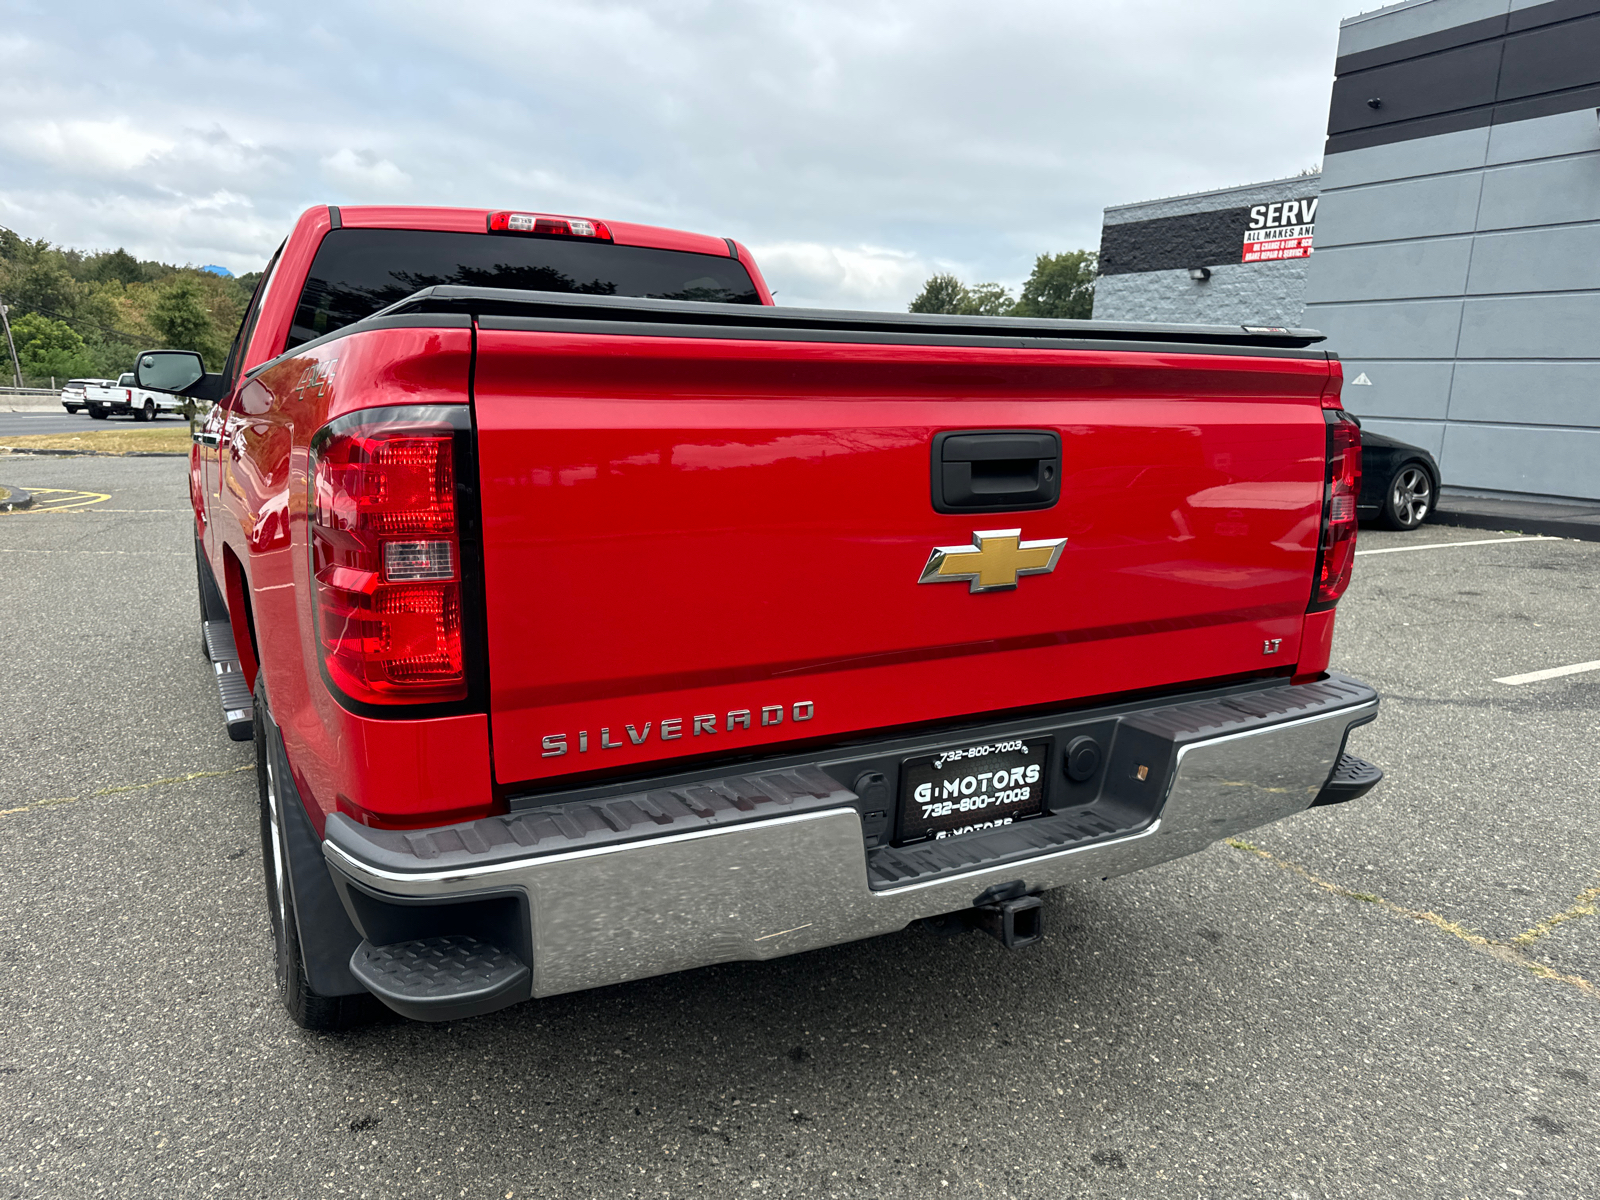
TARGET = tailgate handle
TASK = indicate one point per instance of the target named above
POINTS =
(1001, 470)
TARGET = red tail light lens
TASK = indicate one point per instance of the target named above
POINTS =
(386, 555)
(1336, 554)
(521, 222)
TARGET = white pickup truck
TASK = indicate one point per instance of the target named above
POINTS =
(75, 395)
(126, 399)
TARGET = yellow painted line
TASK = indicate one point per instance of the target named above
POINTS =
(1585, 905)
(1511, 952)
(127, 787)
(60, 500)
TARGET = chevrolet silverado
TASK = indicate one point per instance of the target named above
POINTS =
(594, 618)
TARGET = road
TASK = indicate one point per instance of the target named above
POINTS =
(60, 421)
(1390, 998)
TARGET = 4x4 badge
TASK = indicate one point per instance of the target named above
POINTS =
(994, 560)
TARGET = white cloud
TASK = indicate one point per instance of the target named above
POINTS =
(84, 147)
(361, 172)
(847, 276)
(860, 145)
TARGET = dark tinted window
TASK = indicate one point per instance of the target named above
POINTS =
(359, 271)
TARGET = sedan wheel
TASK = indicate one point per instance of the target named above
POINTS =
(1409, 498)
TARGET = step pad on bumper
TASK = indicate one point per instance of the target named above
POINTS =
(1352, 778)
(238, 708)
(440, 978)
(890, 866)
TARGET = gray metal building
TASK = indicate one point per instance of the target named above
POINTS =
(1457, 263)
(1458, 241)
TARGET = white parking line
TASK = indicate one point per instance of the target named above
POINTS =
(1550, 673)
(1447, 545)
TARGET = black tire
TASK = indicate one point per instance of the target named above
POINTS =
(97, 414)
(306, 1007)
(1408, 497)
(72, 410)
(149, 410)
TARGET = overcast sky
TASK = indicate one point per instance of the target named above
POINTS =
(855, 146)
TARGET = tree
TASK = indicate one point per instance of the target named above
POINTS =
(941, 294)
(180, 317)
(947, 294)
(987, 300)
(1062, 285)
(116, 264)
(46, 287)
(48, 348)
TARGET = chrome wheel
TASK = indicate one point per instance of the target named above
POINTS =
(1410, 497)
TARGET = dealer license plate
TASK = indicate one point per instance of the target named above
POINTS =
(967, 788)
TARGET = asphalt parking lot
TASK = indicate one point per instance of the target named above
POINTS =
(1396, 997)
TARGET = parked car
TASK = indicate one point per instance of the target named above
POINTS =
(125, 398)
(759, 606)
(1399, 482)
(75, 396)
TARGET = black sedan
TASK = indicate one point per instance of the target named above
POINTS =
(1399, 482)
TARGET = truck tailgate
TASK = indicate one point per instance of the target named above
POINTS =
(710, 545)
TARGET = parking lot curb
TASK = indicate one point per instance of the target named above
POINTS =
(1587, 531)
(15, 498)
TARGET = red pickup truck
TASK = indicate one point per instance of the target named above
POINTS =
(595, 618)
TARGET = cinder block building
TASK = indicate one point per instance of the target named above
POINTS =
(1219, 258)
(1457, 240)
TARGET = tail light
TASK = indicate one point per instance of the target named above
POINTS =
(521, 222)
(1337, 549)
(386, 556)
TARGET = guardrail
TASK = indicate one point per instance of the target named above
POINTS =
(14, 393)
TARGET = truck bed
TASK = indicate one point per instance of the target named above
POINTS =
(703, 526)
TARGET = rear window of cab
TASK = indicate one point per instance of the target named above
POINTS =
(358, 271)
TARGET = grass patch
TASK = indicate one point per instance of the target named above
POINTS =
(5, 493)
(174, 438)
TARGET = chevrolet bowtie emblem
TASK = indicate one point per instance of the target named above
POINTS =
(993, 561)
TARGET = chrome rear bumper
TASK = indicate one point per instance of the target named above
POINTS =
(777, 886)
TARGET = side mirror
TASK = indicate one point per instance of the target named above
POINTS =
(168, 370)
(180, 372)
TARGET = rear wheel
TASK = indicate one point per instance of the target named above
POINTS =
(97, 414)
(306, 1007)
(1409, 497)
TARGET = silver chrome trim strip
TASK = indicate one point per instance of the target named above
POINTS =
(471, 874)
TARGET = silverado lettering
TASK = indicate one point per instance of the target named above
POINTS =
(555, 744)
(455, 537)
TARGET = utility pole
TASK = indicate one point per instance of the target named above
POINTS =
(16, 367)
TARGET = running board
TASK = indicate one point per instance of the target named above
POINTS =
(238, 708)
